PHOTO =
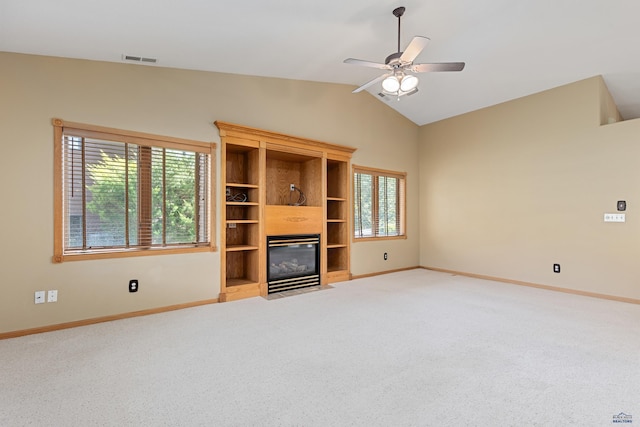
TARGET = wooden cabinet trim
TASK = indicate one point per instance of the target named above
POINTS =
(254, 134)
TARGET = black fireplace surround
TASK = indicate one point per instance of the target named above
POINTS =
(293, 262)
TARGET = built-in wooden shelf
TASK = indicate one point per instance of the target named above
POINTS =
(284, 168)
(337, 219)
(262, 165)
(243, 204)
(234, 248)
(238, 185)
(240, 282)
(336, 245)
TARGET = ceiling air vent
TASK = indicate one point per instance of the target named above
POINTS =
(133, 58)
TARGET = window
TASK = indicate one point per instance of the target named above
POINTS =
(379, 203)
(122, 193)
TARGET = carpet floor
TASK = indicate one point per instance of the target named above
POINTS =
(414, 348)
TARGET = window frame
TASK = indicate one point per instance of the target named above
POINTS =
(402, 201)
(139, 138)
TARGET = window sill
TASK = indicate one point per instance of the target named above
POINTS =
(108, 254)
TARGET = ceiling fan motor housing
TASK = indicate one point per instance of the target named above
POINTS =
(394, 59)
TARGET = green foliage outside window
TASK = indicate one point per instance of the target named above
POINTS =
(109, 182)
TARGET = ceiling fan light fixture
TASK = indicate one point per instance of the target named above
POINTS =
(399, 79)
(391, 84)
(408, 83)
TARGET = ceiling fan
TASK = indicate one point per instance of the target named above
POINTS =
(399, 80)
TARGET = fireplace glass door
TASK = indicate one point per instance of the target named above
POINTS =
(293, 262)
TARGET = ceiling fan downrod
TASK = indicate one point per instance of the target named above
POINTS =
(398, 12)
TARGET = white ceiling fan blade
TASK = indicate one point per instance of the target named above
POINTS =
(413, 50)
(367, 64)
(437, 66)
(371, 82)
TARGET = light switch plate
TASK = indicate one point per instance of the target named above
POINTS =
(614, 217)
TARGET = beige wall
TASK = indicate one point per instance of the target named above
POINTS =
(169, 102)
(509, 190)
(505, 191)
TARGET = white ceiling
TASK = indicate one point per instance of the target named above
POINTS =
(511, 48)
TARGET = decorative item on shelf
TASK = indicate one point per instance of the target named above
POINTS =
(237, 197)
(302, 199)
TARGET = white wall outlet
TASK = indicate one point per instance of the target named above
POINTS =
(52, 296)
(39, 297)
(614, 217)
(292, 187)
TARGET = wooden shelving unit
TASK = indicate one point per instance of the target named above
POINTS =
(302, 170)
(337, 218)
(259, 167)
(240, 259)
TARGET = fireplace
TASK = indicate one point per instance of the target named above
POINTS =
(293, 262)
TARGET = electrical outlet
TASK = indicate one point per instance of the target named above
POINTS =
(231, 225)
(556, 268)
(292, 187)
(52, 296)
(39, 297)
(133, 285)
(385, 256)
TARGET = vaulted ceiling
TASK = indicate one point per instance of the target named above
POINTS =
(511, 48)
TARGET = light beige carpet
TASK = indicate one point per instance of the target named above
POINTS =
(416, 348)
